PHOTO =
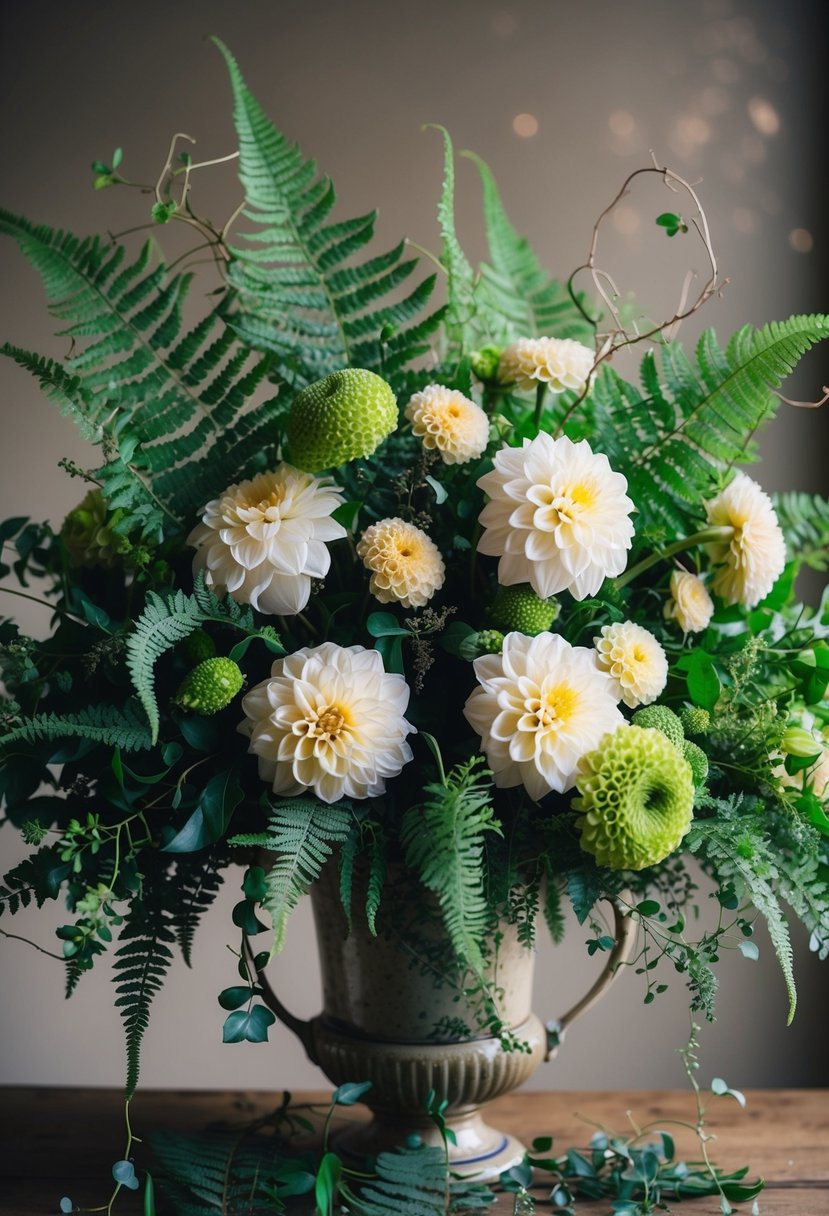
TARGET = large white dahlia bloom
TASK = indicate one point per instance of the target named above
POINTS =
(558, 517)
(542, 704)
(329, 718)
(264, 540)
(753, 559)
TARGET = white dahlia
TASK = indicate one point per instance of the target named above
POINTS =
(558, 517)
(753, 559)
(329, 719)
(634, 660)
(542, 705)
(448, 422)
(690, 604)
(560, 363)
(406, 565)
(264, 540)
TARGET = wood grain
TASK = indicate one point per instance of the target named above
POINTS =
(56, 1142)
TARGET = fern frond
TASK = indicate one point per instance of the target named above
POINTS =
(695, 422)
(464, 328)
(804, 519)
(301, 295)
(198, 880)
(443, 840)
(301, 834)
(413, 1182)
(124, 728)
(140, 967)
(217, 1173)
(376, 878)
(513, 286)
(64, 390)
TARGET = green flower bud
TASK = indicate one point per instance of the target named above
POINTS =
(797, 741)
(485, 363)
(346, 415)
(659, 717)
(490, 641)
(519, 610)
(636, 799)
(698, 761)
(695, 721)
(210, 686)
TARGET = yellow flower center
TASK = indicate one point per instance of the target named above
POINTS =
(273, 499)
(555, 708)
(330, 722)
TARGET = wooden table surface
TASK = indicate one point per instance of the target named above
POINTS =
(56, 1142)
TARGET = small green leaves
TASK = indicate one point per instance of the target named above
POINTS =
(327, 1183)
(671, 222)
(162, 213)
(66, 1204)
(124, 1174)
(722, 1090)
(350, 1092)
(251, 1026)
(234, 998)
(105, 175)
(703, 682)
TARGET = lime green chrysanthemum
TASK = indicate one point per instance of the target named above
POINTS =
(659, 717)
(490, 641)
(636, 799)
(210, 686)
(519, 610)
(695, 721)
(698, 761)
(345, 415)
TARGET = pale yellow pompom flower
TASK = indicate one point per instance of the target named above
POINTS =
(558, 363)
(753, 559)
(634, 660)
(406, 565)
(329, 719)
(446, 421)
(690, 604)
(541, 706)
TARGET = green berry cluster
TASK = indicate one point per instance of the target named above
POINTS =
(210, 686)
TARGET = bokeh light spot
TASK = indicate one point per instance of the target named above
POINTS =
(525, 125)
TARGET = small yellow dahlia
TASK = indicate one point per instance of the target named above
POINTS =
(753, 559)
(558, 517)
(690, 604)
(330, 719)
(264, 540)
(541, 705)
(448, 422)
(634, 660)
(406, 565)
(560, 363)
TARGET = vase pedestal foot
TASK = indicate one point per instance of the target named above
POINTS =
(482, 1152)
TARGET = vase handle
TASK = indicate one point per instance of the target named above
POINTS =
(303, 1029)
(625, 934)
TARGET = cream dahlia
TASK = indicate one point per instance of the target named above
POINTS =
(329, 719)
(753, 559)
(541, 705)
(448, 422)
(634, 660)
(558, 517)
(264, 540)
(406, 565)
(559, 363)
(690, 604)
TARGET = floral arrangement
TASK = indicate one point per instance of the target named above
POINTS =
(363, 581)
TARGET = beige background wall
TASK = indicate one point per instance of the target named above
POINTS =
(721, 90)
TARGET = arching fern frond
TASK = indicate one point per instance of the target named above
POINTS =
(124, 728)
(804, 519)
(63, 390)
(198, 881)
(695, 421)
(301, 294)
(301, 834)
(514, 286)
(414, 1182)
(444, 843)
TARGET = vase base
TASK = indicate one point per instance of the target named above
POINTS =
(481, 1152)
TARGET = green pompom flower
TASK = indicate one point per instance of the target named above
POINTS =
(636, 799)
(490, 641)
(210, 686)
(659, 717)
(346, 415)
(519, 610)
(698, 761)
(695, 721)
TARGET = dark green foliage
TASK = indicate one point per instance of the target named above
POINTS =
(443, 841)
(804, 519)
(124, 728)
(414, 1182)
(301, 295)
(301, 835)
(197, 880)
(692, 422)
(141, 963)
(221, 1172)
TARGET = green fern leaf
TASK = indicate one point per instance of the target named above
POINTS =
(301, 835)
(414, 1182)
(376, 878)
(124, 728)
(299, 293)
(443, 840)
(198, 881)
(140, 966)
(64, 390)
(804, 519)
